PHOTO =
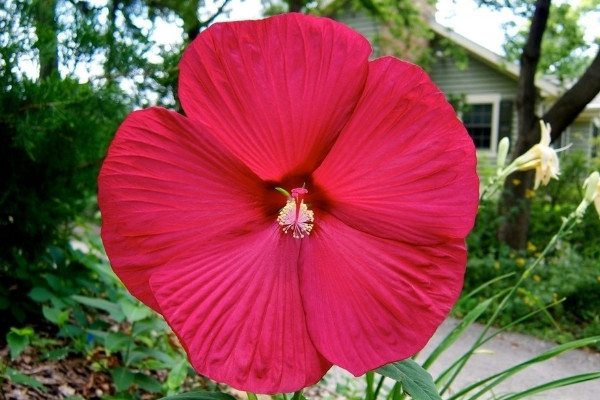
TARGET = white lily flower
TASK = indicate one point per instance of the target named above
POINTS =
(540, 157)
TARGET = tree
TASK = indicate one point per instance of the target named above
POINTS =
(47, 41)
(564, 111)
(189, 13)
(71, 71)
(564, 50)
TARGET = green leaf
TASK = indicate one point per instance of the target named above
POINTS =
(114, 310)
(54, 282)
(414, 379)
(56, 315)
(177, 375)
(147, 383)
(71, 330)
(22, 379)
(98, 334)
(151, 325)
(143, 352)
(200, 395)
(116, 341)
(26, 331)
(134, 312)
(17, 343)
(122, 378)
(40, 294)
(57, 354)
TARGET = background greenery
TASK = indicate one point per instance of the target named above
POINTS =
(570, 275)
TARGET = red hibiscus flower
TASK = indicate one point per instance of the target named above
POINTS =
(356, 267)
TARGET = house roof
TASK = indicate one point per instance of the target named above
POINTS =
(548, 88)
(492, 59)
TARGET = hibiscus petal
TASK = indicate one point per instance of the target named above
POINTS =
(236, 307)
(404, 166)
(280, 89)
(165, 188)
(371, 301)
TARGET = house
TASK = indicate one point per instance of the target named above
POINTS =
(484, 88)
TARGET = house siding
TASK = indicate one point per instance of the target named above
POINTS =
(579, 136)
(481, 79)
(476, 78)
(366, 26)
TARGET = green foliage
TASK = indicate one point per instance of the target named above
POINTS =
(17, 340)
(561, 197)
(413, 379)
(569, 276)
(95, 318)
(564, 46)
(402, 28)
(64, 67)
(200, 395)
(22, 379)
(54, 136)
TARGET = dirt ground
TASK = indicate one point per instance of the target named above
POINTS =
(61, 379)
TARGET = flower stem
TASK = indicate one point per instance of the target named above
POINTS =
(298, 395)
(251, 396)
(378, 388)
(369, 376)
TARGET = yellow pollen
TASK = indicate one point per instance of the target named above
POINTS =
(295, 216)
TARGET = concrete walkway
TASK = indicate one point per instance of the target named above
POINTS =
(504, 351)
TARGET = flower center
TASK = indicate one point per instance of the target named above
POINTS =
(295, 215)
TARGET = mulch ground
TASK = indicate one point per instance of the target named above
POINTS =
(73, 377)
(61, 379)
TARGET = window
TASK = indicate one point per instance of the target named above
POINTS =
(481, 117)
(478, 121)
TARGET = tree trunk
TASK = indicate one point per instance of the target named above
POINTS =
(515, 228)
(574, 100)
(295, 5)
(111, 55)
(45, 30)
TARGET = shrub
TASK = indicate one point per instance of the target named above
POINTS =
(570, 273)
(54, 135)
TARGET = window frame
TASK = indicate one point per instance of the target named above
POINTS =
(595, 133)
(493, 99)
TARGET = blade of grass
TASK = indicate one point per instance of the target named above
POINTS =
(484, 285)
(455, 333)
(534, 299)
(378, 388)
(568, 224)
(440, 379)
(507, 373)
(466, 321)
(571, 380)
(370, 378)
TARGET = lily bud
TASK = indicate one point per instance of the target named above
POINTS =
(503, 147)
(592, 190)
(591, 186)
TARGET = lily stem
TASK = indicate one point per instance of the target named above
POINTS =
(298, 395)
